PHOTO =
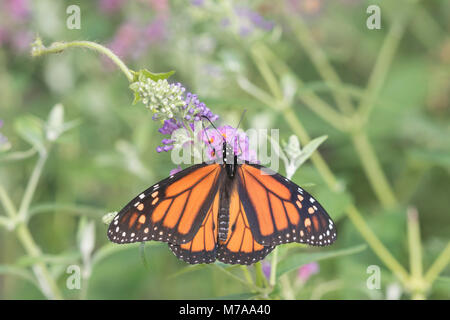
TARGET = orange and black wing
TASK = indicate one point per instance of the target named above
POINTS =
(279, 211)
(202, 248)
(172, 210)
(240, 246)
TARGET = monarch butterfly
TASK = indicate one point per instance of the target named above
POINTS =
(234, 211)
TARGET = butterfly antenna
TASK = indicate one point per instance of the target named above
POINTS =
(212, 124)
(239, 123)
(242, 117)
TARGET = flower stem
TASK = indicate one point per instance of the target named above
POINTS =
(8, 205)
(247, 275)
(384, 61)
(377, 246)
(46, 282)
(320, 61)
(273, 268)
(31, 187)
(369, 160)
(441, 262)
(415, 245)
(261, 280)
(373, 170)
(38, 49)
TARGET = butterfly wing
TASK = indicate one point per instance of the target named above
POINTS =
(240, 247)
(279, 211)
(202, 248)
(172, 210)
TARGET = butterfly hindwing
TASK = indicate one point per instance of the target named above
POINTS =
(202, 248)
(172, 210)
(240, 246)
(279, 211)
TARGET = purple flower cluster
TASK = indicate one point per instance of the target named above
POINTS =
(239, 141)
(248, 21)
(256, 19)
(190, 113)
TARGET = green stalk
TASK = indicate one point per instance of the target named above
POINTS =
(7, 203)
(247, 275)
(31, 187)
(376, 245)
(38, 49)
(321, 108)
(261, 280)
(383, 62)
(439, 265)
(273, 268)
(415, 245)
(320, 61)
(46, 282)
(417, 285)
(373, 170)
(369, 160)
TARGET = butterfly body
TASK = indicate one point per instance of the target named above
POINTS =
(233, 211)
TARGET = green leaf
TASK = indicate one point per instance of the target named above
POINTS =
(134, 87)
(55, 122)
(296, 260)
(18, 155)
(144, 74)
(309, 149)
(141, 76)
(55, 125)
(31, 130)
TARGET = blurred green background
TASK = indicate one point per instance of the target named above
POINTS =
(217, 48)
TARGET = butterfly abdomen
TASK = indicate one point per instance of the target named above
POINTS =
(224, 209)
(223, 224)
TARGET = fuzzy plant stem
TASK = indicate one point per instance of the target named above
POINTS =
(19, 218)
(38, 49)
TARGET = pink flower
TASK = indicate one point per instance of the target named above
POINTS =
(307, 270)
(17, 9)
(176, 170)
(110, 6)
(237, 139)
(132, 40)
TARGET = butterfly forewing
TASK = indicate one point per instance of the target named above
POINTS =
(279, 211)
(172, 210)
